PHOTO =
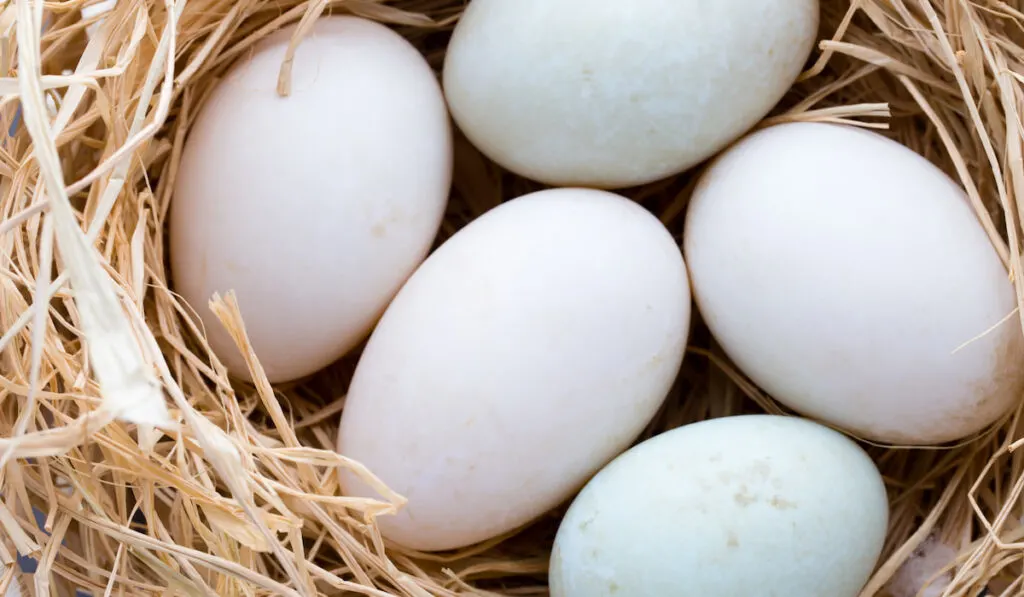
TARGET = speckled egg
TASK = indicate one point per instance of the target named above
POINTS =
(731, 507)
(614, 93)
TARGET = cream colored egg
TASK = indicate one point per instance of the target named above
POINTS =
(525, 353)
(613, 93)
(314, 208)
(851, 279)
(731, 507)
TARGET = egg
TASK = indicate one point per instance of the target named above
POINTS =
(731, 507)
(850, 278)
(610, 94)
(527, 351)
(313, 208)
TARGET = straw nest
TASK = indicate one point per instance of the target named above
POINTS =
(155, 474)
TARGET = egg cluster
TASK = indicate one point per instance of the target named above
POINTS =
(512, 368)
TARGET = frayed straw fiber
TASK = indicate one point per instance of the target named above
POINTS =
(156, 476)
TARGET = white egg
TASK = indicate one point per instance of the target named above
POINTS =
(609, 94)
(314, 208)
(732, 507)
(850, 278)
(525, 353)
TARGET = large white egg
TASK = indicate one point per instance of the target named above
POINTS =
(613, 93)
(732, 507)
(525, 353)
(314, 208)
(850, 278)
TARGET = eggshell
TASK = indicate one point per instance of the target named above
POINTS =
(526, 352)
(732, 507)
(610, 93)
(850, 278)
(314, 208)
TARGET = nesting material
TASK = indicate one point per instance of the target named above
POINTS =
(180, 479)
(924, 574)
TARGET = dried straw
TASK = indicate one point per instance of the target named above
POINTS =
(157, 476)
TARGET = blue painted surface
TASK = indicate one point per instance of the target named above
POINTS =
(28, 565)
(15, 123)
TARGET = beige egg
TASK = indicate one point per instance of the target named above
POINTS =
(851, 279)
(615, 93)
(525, 353)
(314, 208)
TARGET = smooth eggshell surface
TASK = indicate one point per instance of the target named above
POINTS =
(525, 353)
(850, 278)
(613, 93)
(731, 507)
(314, 208)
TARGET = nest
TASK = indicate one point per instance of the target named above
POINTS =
(132, 464)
